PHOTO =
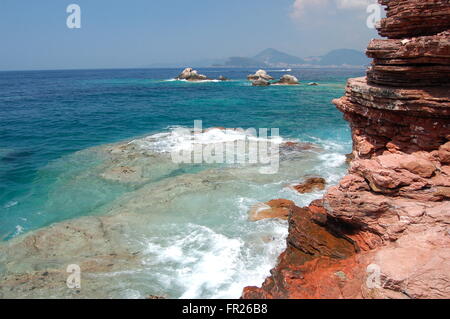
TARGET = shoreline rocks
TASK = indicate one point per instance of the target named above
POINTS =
(393, 206)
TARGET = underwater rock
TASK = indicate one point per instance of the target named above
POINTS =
(278, 208)
(123, 174)
(298, 146)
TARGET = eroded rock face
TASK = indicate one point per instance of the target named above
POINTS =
(311, 248)
(414, 18)
(394, 204)
(422, 61)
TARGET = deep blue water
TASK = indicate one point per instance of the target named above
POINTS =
(46, 115)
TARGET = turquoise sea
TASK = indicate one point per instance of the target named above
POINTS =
(56, 125)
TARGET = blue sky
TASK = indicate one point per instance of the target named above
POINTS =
(139, 33)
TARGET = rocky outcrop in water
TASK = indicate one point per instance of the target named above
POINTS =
(384, 232)
(277, 208)
(260, 82)
(190, 74)
(260, 74)
(287, 80)
(310, 185)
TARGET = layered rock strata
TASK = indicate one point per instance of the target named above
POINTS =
(384, 231)
(414, 18)
(418, 61)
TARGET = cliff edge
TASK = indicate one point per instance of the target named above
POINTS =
(384, 231)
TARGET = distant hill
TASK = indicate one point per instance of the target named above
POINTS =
(344, 57)
(271, 58)
(244, 62)
(274, 58)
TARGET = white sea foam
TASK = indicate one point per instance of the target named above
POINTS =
(209, 264)
(282, 70)
(332, 160)
(131, 294)
(19, 230)
(200, 81)
(184, 140)
(11, 204)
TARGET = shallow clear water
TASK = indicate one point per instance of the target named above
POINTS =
(53, 126)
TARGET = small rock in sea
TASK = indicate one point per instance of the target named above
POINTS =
(277, 208)
(313, 83)
(260, 82)
(222, 78)
(155, 297)
(190, 74)
(310, 185)
(349, 158)
(287, 80)
(260, 74)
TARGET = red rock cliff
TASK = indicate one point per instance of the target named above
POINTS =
(384, 231)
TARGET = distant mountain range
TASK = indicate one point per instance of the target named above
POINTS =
(270, 58)
(275, 58)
